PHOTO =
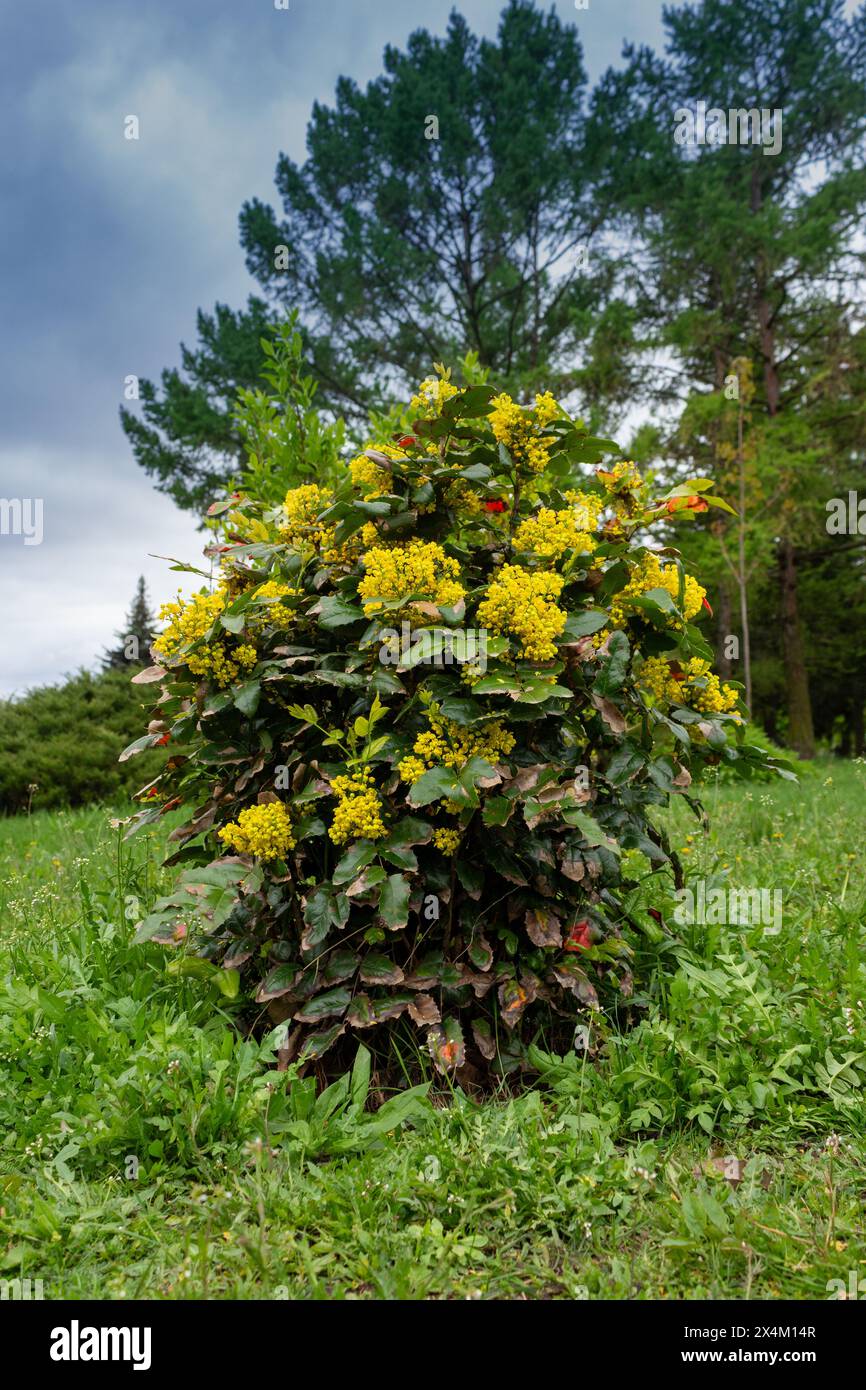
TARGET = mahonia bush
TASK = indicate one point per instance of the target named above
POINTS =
(381, 837)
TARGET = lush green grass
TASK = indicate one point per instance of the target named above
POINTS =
(614, 1179)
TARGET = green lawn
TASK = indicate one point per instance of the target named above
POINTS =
(714, 1151)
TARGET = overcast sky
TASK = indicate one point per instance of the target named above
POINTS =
(108, 246)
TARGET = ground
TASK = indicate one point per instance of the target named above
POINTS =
(716, 1151)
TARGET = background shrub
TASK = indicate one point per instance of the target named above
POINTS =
(66, 739)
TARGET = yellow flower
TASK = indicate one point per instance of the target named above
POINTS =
(550, 534)
(358, 815)
(188, 622)
(276, 614)
(264, 831)
(301, 507)
(623, 475)
(655, 676)
(703, 690)
(447, 841)
(372, 479)
(698, 687)
(650, 573)
(302, 529)
(419, 569)
(523, 603)
(446, 743)
(521, 431)
(432, 394)
(411, 769)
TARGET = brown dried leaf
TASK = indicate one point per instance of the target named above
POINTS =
(423, 1010)
(610, 714)
(148, 675)
(543, 927)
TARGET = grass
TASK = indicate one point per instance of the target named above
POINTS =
(715, 1151)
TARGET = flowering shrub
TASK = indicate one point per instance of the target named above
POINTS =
(376, 836)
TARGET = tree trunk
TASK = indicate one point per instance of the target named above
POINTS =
(801, 735)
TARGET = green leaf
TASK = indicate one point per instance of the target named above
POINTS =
(535, 692)
(319, 915)
(497, 684)
(353, 861)
(233, 622)
(378, 969)
(584, 624)
(409, 830)
(433, 785)
(229, 983)
(140, 744)
(317, 1044)
(497, 810)
(589, 828)
(279, 981)
(394, 901)
(335, 611)
(247, 698)
(626, 762)
(151, 924)
(613, 666)
(325, 1005)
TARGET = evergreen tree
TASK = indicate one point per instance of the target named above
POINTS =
(133, 642)
(445, 208)
(744, 250)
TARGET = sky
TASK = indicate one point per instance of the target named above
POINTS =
(108, 247)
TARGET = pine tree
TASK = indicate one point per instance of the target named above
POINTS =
(442, 209)
(745, 249)
(133, 641)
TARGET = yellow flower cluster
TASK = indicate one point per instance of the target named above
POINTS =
(358, 815)
(550, 534)
(623, 475)
(524, 604)
(419, 568)
(703, 690)
(277, 614)
(648, 574)
(371, 477)
(265, 831)
(447, 841)
(521, 430)
(188, 622)
(432, 394)
(448, 744)
(656, 677)
(698, 686)
(302, 506)
(222, 664)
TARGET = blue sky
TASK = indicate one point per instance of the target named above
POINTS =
(108, 246)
